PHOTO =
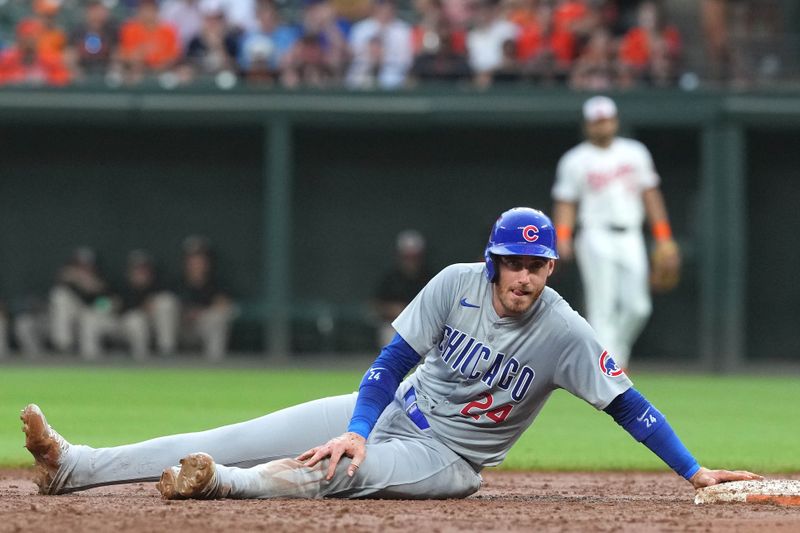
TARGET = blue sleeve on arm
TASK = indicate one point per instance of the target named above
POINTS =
(647, 425)
(380, 383)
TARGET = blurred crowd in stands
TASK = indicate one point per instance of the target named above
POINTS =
(360, 44)
(143, 315)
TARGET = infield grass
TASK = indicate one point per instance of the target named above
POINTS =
(730, 422)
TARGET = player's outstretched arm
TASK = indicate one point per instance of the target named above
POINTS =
(647, 425)
(705, 477)
(348, 444)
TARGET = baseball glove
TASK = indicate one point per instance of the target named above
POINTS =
(665, 268)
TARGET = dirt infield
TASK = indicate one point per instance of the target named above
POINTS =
(509, 501)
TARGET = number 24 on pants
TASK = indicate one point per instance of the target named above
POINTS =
(483, 405)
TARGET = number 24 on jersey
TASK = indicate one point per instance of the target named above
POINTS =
(483, 406)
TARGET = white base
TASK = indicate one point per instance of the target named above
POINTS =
(749, 491)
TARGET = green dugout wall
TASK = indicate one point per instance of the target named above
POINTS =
(303, 193)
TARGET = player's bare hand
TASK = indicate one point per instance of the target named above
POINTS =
(705, 477)
(349, 444)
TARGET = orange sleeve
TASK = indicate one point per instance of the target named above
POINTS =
(3, 67)
(634, 49)
(167, 48)
(57, 72)
(529, 42)
(129, 38)
(567, 14)
(560, 19)
(10, 69)
(52, 42)
(563, 46)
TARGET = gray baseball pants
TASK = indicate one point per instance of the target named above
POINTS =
(256, 458)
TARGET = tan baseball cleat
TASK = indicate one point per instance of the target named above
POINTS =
(196, 479)
(45, 444)
(167, 484)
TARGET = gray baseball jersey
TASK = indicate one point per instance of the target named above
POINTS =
(484, 378)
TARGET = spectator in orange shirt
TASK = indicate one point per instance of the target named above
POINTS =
(147, 45)
(575, 16)
(573, 22)
(25, 63)
(525, 14)
(52, 40)
(544, 51)
(650, 51)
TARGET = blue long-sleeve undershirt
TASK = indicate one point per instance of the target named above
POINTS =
(647, 425)
(379, 384)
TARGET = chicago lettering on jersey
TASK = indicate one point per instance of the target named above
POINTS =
(464, 354)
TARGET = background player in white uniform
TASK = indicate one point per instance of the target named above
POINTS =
(608, 184)
(493, 342)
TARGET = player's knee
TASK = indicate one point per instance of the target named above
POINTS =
(459, 480)
(468, 482)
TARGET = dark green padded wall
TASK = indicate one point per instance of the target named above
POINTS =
(357, 189)
(122, 188)
(673, 328)
(773, 249)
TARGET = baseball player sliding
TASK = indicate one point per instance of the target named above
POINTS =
(492, 341)
(608, 184)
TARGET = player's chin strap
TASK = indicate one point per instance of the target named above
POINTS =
(647, 425)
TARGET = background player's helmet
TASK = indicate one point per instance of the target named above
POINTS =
(520, 231)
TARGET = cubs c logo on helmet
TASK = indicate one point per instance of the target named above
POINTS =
(608, 366)
(529, 233)
(520, 231)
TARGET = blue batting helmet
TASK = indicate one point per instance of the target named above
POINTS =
(520, 231)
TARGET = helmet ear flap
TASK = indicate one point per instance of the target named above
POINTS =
(491, 267)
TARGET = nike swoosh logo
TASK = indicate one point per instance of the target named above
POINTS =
(643, 414)
(465, 303)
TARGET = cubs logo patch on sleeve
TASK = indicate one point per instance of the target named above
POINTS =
(609, 367)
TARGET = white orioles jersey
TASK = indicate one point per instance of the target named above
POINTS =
(606, 182)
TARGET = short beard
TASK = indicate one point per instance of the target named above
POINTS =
(517, 312)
